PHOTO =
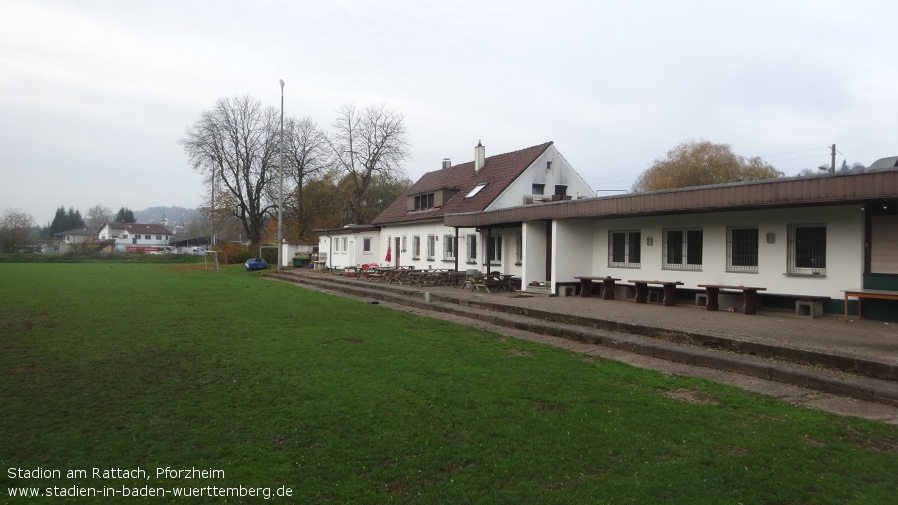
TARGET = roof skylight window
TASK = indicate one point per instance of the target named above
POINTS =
(476, 190)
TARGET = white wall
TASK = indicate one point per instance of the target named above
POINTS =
(534, 268)
(560, 173)
(388, 234)
(844, 250)
(572, 250)
(353, 254)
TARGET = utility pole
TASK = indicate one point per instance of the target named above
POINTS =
(833, 169)
(281, 186)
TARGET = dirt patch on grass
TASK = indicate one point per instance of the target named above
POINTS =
(690, 396)
(546, 407)
(515, 352)
(25, 322)
(862, 441)
(813, 442)
(26, 370)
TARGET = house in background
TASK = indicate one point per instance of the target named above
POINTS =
(412, 228)
(69, 240)
(136, 237)
(805, 236)
(350, 246)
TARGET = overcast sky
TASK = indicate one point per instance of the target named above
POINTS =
(94, 95)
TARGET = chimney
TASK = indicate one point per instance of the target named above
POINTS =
(447, 163)
(479, 156)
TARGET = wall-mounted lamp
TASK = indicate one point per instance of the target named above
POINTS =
(771, 238)
(649, 241)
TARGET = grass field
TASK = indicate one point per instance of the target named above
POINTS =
(138, 366)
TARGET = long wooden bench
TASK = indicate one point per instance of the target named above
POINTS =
(750, 296)
(860, 294)
(607, 286)
(670, 291)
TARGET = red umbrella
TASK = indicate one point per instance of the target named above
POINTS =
(389, 254)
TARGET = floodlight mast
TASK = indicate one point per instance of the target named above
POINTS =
(281, 186)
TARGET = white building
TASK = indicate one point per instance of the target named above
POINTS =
(349, 246)
(413, 231)
(813, 236)
(136, 237)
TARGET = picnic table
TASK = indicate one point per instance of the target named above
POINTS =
(670, 291)
(860, 294)
(375, 274)
(607, 286)
(494, 280)
(749, 294)
(428, 277)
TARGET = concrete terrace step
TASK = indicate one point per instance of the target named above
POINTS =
(689, 347)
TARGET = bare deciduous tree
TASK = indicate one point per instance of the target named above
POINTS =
(235, 145)
(97, 216)
(16, 230)
(305, 157)
(364, 143)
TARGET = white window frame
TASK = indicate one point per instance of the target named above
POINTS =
(519, 249)
(495, 244)
(632, 243)
(366, 245)
(741, 251)
(798, 266)
(471, 246)
(431, 247)
(449, 248)
(416, 247)
(685, 262)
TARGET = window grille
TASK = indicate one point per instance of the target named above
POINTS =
(682, 249)
(416, 247)
(431, 247)
(807, 248)
(742, 249)
(625, 248)
(472, 248)
(495, 250)
(448, 247)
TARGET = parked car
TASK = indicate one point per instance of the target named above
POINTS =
(199, 250)
(255, 264)
(166, 249)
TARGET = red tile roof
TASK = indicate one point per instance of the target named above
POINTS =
(498, 172)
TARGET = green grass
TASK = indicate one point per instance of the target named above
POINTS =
(111, 365)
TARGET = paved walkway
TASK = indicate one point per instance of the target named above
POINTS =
(867, 351)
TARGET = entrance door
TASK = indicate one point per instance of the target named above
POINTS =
(396, 252)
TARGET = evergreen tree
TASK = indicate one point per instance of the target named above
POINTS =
(125, 215)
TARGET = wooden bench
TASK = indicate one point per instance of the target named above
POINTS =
(860, 294)
(607, 286)
(750, 295)
(670, 290)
